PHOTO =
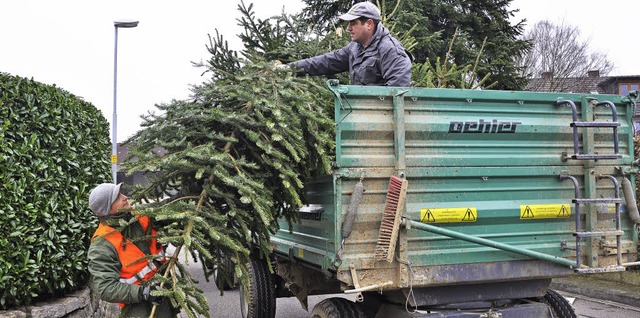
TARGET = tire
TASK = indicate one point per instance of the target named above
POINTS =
(224, 274)
(258, 300)
(560, 306)
(336, 307)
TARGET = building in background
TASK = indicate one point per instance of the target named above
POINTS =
(139, 178)
(592, 83)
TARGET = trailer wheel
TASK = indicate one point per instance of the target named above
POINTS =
(224, 274)
(258, 300)
(336, 307)
(560, 306)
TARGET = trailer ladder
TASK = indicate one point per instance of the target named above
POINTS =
(575, 124)
(584, 234)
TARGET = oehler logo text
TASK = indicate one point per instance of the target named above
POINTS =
(483, 127)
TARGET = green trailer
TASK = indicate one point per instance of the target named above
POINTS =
(505, 191)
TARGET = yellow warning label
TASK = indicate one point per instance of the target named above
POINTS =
(114, 158)
(448, 215)
(300, 253)
(545, 211)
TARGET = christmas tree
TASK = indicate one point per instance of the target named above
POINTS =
(236, 156)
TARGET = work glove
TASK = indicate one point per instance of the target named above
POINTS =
(278, 66)
(147, 296)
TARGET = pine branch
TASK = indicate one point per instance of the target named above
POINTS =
(170, 266)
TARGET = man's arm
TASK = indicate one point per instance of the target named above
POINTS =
(327, 64)
(104, 267)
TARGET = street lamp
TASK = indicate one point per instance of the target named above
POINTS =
(114, 128)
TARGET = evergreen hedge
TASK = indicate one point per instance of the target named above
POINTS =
(54, 147)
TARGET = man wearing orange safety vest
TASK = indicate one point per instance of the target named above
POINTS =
(113, 253)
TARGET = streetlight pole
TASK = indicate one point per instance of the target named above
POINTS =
(114, 126)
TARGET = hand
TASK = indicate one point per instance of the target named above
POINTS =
(147, 296)
(278, 66)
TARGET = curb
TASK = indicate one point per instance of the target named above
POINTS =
(615, 291)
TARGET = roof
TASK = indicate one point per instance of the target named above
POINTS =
(585, 85)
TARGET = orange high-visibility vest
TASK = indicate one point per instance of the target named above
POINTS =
(132, 272)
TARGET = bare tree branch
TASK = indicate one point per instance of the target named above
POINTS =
(558, 52)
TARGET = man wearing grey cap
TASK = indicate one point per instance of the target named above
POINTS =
(118, 274)
(374, 56)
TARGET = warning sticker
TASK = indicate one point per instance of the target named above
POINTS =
(448, 215)
(545, 211)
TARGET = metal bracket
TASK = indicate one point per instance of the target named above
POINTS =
(356, 282)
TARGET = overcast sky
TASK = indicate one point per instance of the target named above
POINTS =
(70, 43)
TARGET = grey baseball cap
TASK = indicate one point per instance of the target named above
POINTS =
(102, 197)
(362, 9)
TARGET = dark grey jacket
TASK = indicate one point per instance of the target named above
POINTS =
(384, 62)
